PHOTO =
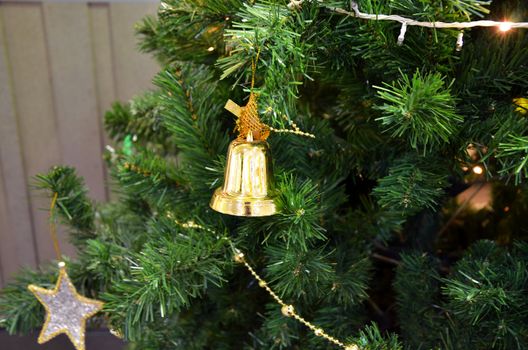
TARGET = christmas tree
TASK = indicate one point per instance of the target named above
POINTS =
(399, 154)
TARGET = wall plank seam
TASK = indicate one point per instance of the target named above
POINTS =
(97, 96)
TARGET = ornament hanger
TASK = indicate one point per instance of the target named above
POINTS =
(248, 124)
(53, 230)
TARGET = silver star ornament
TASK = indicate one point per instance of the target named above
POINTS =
(66, 311)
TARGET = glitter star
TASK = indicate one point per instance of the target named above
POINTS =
(66, 311)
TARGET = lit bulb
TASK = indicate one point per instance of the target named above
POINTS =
(401, 37)
(505, 26)
(478, 169)
(210, 49)
(460, 41)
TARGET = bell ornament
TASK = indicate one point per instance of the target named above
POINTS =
(248, 188)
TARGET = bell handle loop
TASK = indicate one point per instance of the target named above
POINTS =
(254, 62)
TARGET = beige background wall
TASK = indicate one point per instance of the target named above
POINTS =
(61, 66)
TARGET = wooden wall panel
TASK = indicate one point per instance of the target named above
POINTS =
(102, 50)
(74, 89)
(104, 69)
(17, 243)
(133, 72)
(27, 53)
(61, 67)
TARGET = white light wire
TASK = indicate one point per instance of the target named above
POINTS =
(411, 22)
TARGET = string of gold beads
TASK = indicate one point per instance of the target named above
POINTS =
(188, 224)
(290, 131)
(296, 130)
(286, 309)
(136, 169)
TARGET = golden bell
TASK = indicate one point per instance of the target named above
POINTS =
(248, 181)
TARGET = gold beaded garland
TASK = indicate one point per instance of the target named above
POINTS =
(239, 257)
(262, 284)
(286, 309)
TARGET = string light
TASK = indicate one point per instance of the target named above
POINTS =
(401, 37)
(460, 40)
(477, 169)
(505, 26)
(210, 49)
(411, 22)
